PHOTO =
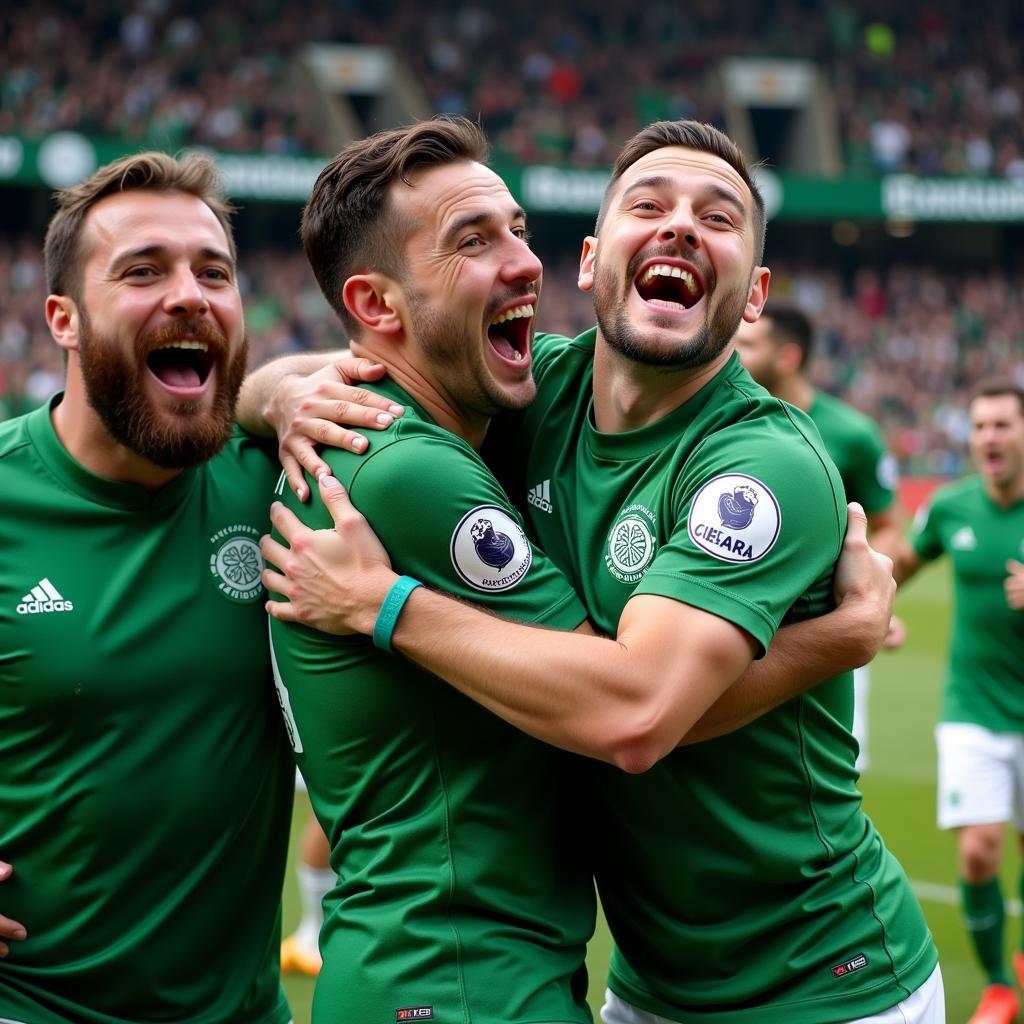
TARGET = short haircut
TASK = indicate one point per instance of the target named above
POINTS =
(194, 175)
(996, 387)
(704, 138)
(349, 226)
(791, 325)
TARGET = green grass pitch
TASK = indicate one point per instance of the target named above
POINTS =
(899, 796)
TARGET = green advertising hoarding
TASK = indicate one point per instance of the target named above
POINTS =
(65, 158)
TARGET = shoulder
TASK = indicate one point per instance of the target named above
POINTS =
(555, 353)
(14, 435)
(957, 492)
(256, 457)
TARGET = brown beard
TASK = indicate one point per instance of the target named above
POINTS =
(114, 387)
(703, 348)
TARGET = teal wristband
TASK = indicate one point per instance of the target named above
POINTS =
(392, 607)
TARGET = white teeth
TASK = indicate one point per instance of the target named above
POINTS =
(664, 270)
(199, 346)
(514, 314)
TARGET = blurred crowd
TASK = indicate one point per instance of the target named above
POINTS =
(931, 87)
(906, 347)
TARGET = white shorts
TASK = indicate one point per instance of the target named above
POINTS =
(300, 782)
(925, 1006)
(981, 776)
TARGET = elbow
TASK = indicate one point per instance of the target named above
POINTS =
(638, 749)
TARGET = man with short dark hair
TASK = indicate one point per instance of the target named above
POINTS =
(694, 514)
(144, 775)
(463, 889)
(775, 350)
(979, 522)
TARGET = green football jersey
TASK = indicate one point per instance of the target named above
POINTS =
(145, 779)
(985, 676)
(870, 474)
(740, 878)
(462, 894)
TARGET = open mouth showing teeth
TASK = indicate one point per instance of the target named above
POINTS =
(181, 364)
(509, 333)
(669, 285)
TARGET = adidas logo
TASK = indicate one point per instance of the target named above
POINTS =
(963, 539)
(44, 597)
(540, 497)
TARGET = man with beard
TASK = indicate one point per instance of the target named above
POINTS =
(694, 514)
(979, 522)
(145, 780)
(462, 888)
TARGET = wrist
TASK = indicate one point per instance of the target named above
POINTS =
(391, 609)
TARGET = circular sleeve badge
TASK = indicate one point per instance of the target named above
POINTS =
(489, 550)
(735, 517)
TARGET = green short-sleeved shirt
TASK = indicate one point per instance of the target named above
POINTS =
(854, 442)
(460, 885)
(741, 880)
(985, 677)
(145, 781)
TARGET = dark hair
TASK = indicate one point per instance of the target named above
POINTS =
(194, 174)
(348, 225)
(791, 325)
(995, 387)
(704, 138)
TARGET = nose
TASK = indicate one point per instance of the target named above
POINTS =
(680, 226)
(521, 264)
(184, 295)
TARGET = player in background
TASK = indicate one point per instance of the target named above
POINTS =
(978, 522)
(776, 351)
(680, 499)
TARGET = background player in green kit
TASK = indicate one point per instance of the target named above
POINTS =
(775, 351)
(462, 893)
(694, 514)
(145, 780)
(979, 523)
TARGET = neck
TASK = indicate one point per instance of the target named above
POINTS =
(85, 438)
(1006, 494)
(796, 390)
(420, 383)
(629, 395)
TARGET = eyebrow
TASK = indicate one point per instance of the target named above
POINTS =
(146, 251)
(475, 219)
(714, 190)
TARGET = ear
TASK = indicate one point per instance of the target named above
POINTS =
(585, 281)
(62, 319)
(373, 299)
(758, 294)
(790, 357)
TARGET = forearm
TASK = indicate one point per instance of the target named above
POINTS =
(253, 409)
(800, 656)
(620, 701)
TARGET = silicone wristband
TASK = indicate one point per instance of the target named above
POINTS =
(387, 617)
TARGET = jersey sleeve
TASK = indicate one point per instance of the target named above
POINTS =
(759, 522)
(874, 473)
(925, 536)
(446, 522)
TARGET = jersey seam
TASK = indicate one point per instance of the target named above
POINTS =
(809, 778)
(881, 923)
(452, 883)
